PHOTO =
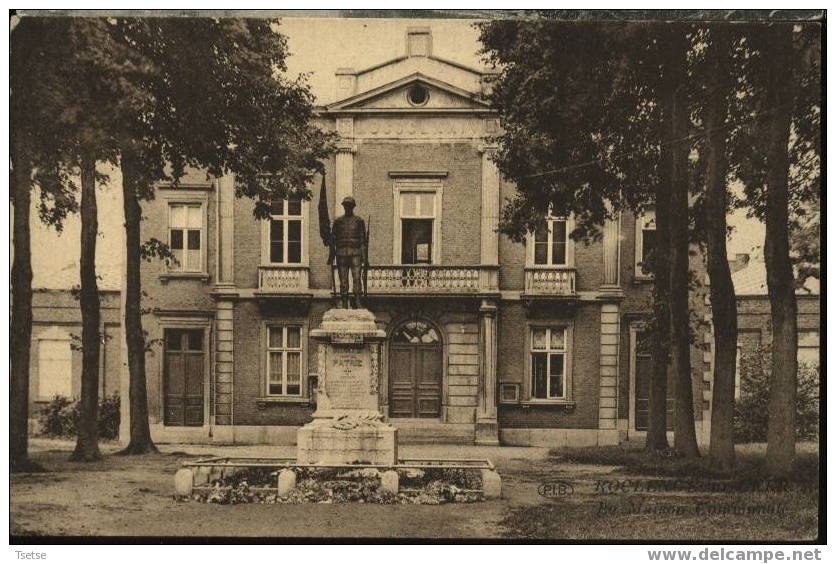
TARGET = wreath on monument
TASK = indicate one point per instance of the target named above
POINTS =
(354, 420)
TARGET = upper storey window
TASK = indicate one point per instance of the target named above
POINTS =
(417, 223)
(550, 244)
(645, 242)
(185, 237)
(285, 231)
(418, 95)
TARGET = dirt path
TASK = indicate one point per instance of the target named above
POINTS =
(133, 496)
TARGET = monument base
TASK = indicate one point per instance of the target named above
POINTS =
(348, 426)
(348, 439)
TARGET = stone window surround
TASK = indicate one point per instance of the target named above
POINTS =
(204, 324)
(526, 387)
(265, 239)
(417, 184)
(306, 391)
(644, 218)
(188, 195)
(570, 246)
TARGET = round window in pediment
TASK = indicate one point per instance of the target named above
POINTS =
(418, 95)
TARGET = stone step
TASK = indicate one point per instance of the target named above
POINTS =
(417, 432)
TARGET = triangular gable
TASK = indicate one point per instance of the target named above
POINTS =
(443, 96)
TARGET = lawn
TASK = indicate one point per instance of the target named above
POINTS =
(607, 493)
(662, 497)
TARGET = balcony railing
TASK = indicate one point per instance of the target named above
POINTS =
(421, 278)
(395, 279)
(555, 281)
(282, 279)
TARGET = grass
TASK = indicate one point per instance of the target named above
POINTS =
(634, 495)
(750, 464)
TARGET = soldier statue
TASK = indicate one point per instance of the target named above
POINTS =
(350, 246)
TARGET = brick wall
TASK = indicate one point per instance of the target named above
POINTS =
(460, 230)
(585, 369)
(755, 324)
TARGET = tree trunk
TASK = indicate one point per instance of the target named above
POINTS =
(678, 148)
(723, 302)
(21, 322)
(780, 449)
(87, 446)
(140, 441)
(657, 420)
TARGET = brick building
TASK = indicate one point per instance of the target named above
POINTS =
(55, 354)
(754, 317)
(489, 340)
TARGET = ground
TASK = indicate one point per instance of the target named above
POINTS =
(562, 494)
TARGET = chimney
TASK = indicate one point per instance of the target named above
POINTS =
(346, 83)
(419, 42)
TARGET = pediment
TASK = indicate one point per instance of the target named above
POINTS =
(395, 97)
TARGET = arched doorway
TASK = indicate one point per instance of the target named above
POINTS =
(415, 370)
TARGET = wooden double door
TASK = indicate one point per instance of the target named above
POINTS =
(415, 371)
(184, 377)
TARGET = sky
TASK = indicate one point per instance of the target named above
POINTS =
(318, 46)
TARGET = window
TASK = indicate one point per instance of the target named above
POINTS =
(185, 237)
(285, 231)
(645, 242)
(417, 224)
(284, 360)
(54, 365)
(418, 95)
(551, 243)
(548, 363)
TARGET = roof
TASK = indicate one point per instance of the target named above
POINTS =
(751, 281)
(65, 275)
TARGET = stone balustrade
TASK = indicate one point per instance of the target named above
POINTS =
(282, 279)
(553, 281)
(421, 279)
(396, 279)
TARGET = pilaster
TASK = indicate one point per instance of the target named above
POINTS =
(344, 164)
(489, 247)
(608, 367)
(487, 427)
(226, 230)
(224, 363)
(611, 232)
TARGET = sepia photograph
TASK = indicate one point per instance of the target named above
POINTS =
(418, 276)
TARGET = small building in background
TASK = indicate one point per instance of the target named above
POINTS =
(55, 355)
(754, 324)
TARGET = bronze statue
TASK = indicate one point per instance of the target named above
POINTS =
(350, 247)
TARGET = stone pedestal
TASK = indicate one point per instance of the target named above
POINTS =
(348, 426)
